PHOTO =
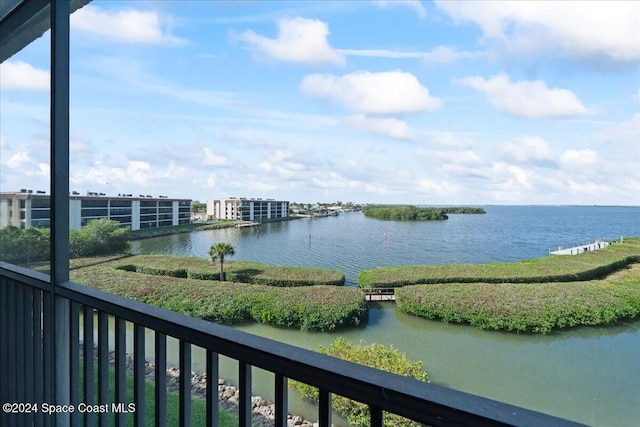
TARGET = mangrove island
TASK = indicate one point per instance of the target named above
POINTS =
(416, 213)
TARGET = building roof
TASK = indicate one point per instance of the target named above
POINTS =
(23, 21)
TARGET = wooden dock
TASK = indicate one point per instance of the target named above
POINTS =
(380, 294)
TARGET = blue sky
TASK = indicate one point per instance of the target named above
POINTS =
(366, 101)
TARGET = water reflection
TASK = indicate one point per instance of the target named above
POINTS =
(631, 327)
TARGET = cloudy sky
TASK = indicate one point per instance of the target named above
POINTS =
(366, 101)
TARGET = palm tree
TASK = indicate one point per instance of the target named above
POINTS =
(220, 250)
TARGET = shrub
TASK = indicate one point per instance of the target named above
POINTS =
(24, 246)
(99, 237)
(385, 358)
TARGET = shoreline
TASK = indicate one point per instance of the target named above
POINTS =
(171, 230)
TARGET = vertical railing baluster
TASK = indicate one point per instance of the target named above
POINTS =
(12, 344)
(282, 400)
(38, 357)
(185, 383)
(212, 388)
(244, 380)
(4, 349)
(47, 353)
(27, 340)
(375, 416)
(88, 358)
(138, 375)
(103, 365)
(74, 361)
(324, 408)
(120, 367)
(161, 380)
(20, 333)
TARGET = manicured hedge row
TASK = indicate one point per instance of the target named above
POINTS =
(235, 271)
(321, 308)
(537, 308)
(567, 268)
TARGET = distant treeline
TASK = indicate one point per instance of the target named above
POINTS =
(415, 213)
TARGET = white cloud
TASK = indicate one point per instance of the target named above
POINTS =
(414, 5)
(211, 159)
(458, 157)
(579, 157)
(619, 142)
(589, 30)
(129, 25)
(528, 149)
(430, 186)
(510, 178)
(529, 99)
(20, 75)
(333, 180)
(376, 189)
(390, 92)
(447, 55)
(390, 127)
(589, 188)
(437, 55)
(18, 159)
(134, 173)
(299, 40)
(211, 181)
(281, 164)
(23, 163)
(257, 186)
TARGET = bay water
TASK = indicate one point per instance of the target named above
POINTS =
(587, 374)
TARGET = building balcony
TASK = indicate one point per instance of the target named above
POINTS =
(43, 374)
(41, 362)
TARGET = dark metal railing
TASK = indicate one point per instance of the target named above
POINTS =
(24, 359)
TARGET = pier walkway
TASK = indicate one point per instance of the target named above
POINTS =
(578, 249)
(380, 294)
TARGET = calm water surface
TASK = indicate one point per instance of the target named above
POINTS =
(591, 375)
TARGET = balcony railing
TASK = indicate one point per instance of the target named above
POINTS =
(28, 368)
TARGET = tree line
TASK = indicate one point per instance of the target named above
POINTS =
(98, 237)
(415, 213)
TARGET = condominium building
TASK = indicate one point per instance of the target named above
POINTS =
(247, 209)
(27, 209)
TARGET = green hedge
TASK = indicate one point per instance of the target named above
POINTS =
(537, 308)
(321, 308)
(565, 268)
(235, 271)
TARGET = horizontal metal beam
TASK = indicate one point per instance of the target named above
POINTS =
(24, 275)
(423, 402)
